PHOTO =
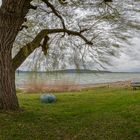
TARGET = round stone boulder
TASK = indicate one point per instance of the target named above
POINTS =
(47, 98)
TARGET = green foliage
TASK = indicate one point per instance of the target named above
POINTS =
(101, 114)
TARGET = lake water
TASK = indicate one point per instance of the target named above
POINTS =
(76, 78)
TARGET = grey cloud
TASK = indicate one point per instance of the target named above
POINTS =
(129, 59)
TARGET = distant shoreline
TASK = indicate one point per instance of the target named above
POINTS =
(73, 71)
(31, 88)
(66, 71)
(117, 84)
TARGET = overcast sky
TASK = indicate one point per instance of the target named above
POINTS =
(129, 59)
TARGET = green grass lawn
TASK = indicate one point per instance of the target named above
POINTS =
(98, 114)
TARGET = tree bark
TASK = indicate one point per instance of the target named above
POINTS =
(12, 16)
(9, 26)
(8, 98)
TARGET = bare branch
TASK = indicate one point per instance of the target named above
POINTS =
(30, 47)
(55, 12)
(33, 7)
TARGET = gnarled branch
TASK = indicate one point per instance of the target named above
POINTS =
(30, 47)
(55, 12)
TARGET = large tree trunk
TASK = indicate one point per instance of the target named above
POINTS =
(12, 13)
(9, 26)
(8, 98)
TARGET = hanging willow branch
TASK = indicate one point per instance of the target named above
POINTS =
(30, 47)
